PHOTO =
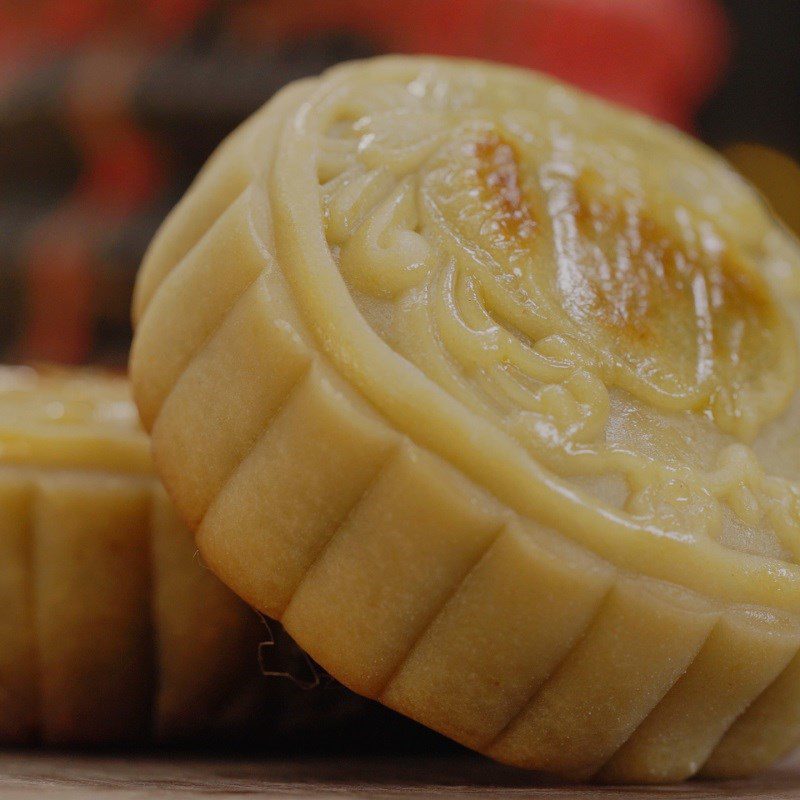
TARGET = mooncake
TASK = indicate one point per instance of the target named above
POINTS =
(488, 391)
(112, 630)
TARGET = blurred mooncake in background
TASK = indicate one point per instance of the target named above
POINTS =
(112, 630)
(488, 390)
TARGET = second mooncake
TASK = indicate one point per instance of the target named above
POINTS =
(489, 391)
(112, 630)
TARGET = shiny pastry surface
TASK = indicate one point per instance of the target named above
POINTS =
(604, 291)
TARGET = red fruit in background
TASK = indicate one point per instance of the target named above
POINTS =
(659, 56)
(662, 57)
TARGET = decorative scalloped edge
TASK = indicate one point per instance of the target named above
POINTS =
(573, 667)
(72, 677)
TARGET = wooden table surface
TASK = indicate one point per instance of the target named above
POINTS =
(69, 777)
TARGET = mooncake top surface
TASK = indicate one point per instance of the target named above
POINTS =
(492, 248)
(84, 419)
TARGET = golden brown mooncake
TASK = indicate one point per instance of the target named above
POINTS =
(112, 630)
(489, 391)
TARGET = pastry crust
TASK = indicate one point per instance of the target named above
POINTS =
(530, 521)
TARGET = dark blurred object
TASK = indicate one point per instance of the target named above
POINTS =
(109, 107)
(754, 116)
(758, 99)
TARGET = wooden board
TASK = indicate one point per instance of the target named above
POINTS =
(70, 777)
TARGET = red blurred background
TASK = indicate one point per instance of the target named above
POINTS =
(109, 107)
